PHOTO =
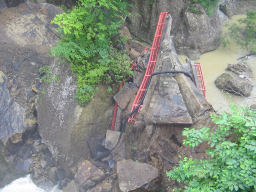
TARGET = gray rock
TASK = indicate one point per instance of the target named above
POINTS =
(118, 121)
(132, 175)
(23, 165)
(105, 186)
(60, 174)
(64, 183)
(14, 120)
(3, 5)
(234, 84)
(52, 174)
(202, 35)
(138, 46)
(228, 7)
(88, 172)
(138, 77)
(123, 97)
(43, 163)
(50, 162)
(143, 59)
(241, 69)
(72, 186)
(39, 148)
(44, 183)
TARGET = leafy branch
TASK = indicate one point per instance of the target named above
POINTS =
(243, 33)
(231, 165)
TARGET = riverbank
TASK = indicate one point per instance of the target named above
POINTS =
(214, 64)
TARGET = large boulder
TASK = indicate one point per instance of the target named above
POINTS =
(88, 175)
(132, 175)
(232, 83)
(65, 127)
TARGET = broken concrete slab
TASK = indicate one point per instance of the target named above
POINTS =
(111, 139)
(132, 175)
(123, 97)
(167, 105)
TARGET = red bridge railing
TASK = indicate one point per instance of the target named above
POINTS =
(200, 78)
(151, 65)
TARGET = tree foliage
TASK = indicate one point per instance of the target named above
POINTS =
(244, 32)
(232, 154)
(86, 43)
(208, 6)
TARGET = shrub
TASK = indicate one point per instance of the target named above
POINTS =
(208, 6)
(86, 44)
(244, 33)
(232, 154)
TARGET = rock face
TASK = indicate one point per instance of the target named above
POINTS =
(66, 127)
(12, 124)
(194, 33)
(234, 84)
(132, 175)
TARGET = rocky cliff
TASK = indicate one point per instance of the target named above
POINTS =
(193, 33)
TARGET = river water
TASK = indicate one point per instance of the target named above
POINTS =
(214, 64)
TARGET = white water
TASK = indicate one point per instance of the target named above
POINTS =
(25, 184)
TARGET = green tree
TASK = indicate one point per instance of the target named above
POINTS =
(232, 154)
(208, 6)
(244, 32)
(86, 44)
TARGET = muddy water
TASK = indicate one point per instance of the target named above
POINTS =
(214, 64)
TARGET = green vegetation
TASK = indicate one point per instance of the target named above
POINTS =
(208, 6)
(65, 8)
(48, 77)
(244, 32)
(87, 33)
(231, 165)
